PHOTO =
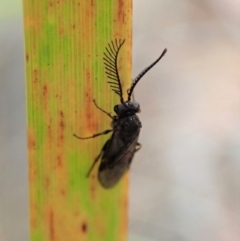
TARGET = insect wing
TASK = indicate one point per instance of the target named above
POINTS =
(111, 170)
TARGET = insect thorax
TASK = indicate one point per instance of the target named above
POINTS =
(128, 127)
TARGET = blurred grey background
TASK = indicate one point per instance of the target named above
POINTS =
(185, 182)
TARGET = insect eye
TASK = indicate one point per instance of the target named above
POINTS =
(116, 109)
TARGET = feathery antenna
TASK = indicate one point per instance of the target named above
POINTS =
(111, 69)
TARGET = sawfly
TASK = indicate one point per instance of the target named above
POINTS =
(118, 152)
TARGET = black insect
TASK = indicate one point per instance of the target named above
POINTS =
(117, 153)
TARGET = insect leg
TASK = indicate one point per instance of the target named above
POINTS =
(102, 110)
(95, 135)
(138, 147)
(93, 164)
(96, 159)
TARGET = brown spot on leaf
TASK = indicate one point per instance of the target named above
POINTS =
(47, 183)
(59, 161)
(84, 227)
(31, 143)
(89, 109)
(61, 31)
(51, 225)
(35, 76)
(121, 10)
(27, 57)
(50, 132)
(61, 137)
(93, 192)
(45, 90)
(63, 192)
(125, 204)
(88, 100)
(62, 125)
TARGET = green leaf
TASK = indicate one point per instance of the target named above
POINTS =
(64, 45)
